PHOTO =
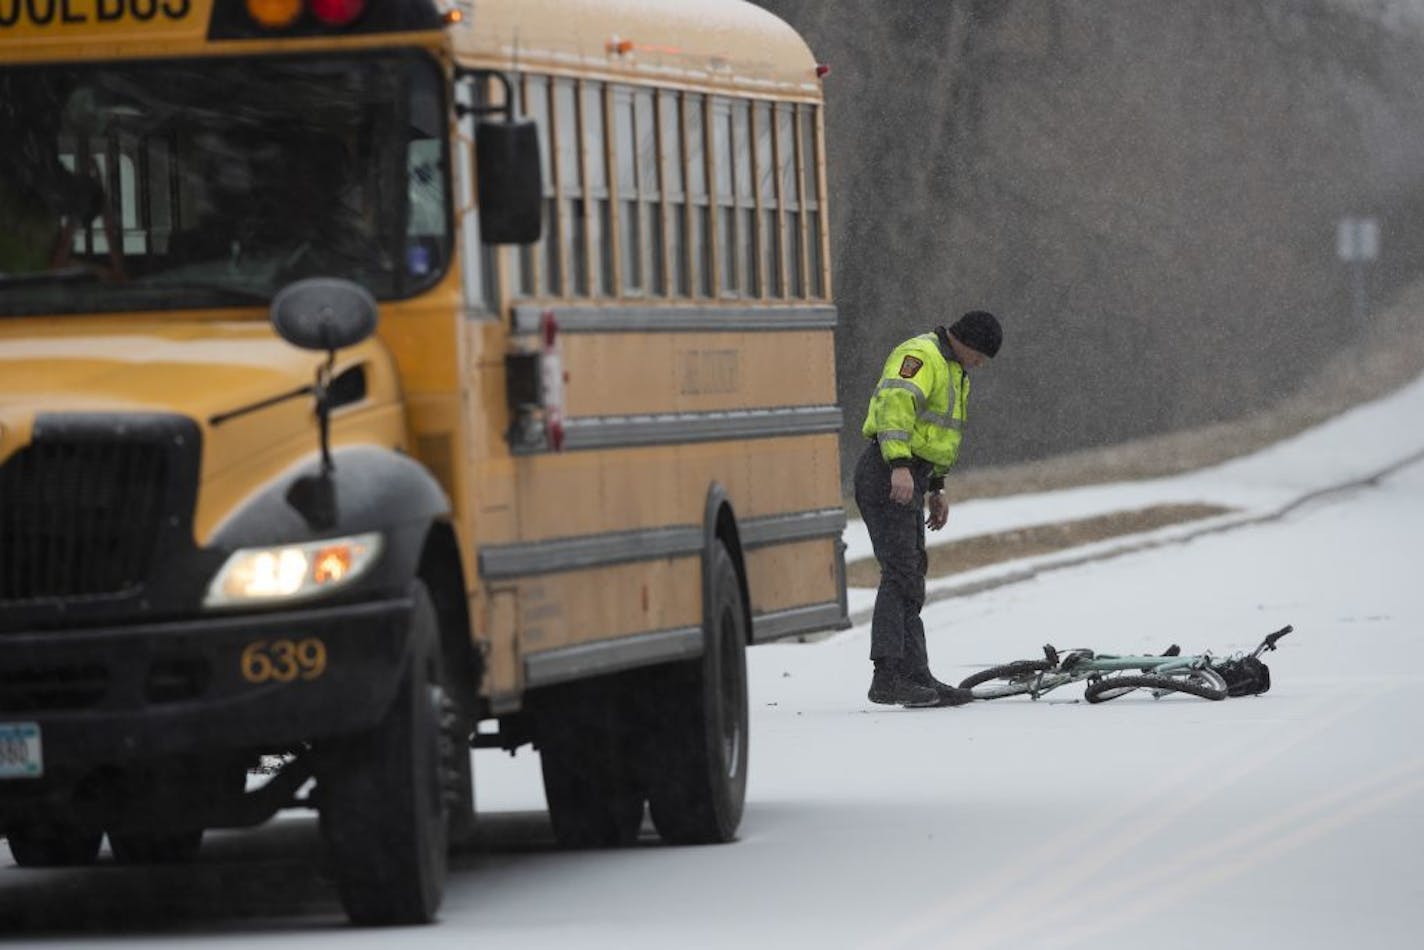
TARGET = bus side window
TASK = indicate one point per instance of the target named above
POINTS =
(539, 264)
(477, 260)
(573, 233)
(745, 212)
(425, 221)
(650, 205)
(725, 213)
(700, 246)
(427, 230)
(630, 225)
(670, 137)
(786, 144)
(600, 211)
(811, 159)
(769, 232)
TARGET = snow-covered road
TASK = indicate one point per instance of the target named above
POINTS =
(1293, 819)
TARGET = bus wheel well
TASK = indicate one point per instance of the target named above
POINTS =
(441, 571)
(723, 529)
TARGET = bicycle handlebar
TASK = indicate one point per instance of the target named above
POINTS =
(1270, 642)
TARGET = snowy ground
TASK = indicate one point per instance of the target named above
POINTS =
(1292, 819)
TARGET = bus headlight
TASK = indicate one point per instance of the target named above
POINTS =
(291, 571)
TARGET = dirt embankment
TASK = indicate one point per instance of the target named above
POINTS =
(978, 551)
(1389, 354)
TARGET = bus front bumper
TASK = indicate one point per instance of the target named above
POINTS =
(260, 682)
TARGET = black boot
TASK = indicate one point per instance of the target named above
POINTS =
(947, 695)
(889, 688)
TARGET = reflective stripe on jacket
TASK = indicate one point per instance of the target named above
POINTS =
(918, 408)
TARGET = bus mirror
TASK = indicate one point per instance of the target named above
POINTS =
(324, 313)
(510, 185)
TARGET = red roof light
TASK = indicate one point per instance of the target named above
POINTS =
(337, 12)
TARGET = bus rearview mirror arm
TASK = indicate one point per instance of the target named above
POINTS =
(324, 314)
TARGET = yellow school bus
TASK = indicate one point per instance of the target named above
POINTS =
(380, 378)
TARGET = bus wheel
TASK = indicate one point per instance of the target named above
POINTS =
(52, 846)
(178, 847)
(594, 798)
(698, 723)
(381, 795)
(459, 780)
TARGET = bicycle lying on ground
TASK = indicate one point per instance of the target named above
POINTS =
(1110, 676)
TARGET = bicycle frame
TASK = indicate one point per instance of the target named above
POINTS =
(1078, 665)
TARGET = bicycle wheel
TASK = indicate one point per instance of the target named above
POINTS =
(1010, 679)
(1102, 690)
(1113, 686)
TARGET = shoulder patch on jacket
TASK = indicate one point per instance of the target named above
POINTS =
(909, 366)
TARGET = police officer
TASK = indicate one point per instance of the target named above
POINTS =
(915, 422)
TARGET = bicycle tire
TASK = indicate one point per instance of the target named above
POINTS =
(1106, 691)
(1018, 678)
(1116, 685)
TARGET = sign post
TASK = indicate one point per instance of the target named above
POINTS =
(1357, 244)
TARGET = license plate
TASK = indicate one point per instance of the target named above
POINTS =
(21, 755)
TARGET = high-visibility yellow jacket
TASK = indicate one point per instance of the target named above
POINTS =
(918, 408)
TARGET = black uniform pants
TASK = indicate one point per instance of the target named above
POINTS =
(897, 532)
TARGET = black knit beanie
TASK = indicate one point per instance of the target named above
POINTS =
(980, 330)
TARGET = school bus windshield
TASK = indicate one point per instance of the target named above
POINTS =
(165, 185)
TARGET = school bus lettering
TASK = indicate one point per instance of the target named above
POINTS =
(41, 13)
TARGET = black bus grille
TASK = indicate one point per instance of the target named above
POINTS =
(50, 689)
(79, 518)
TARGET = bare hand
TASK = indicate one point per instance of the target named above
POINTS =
(902, 485)
(939, 512)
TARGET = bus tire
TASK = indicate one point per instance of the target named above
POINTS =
(459, 778)
(52, 846)
(697, 719)
(594, 798)
(179, 847)
(382, 797)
